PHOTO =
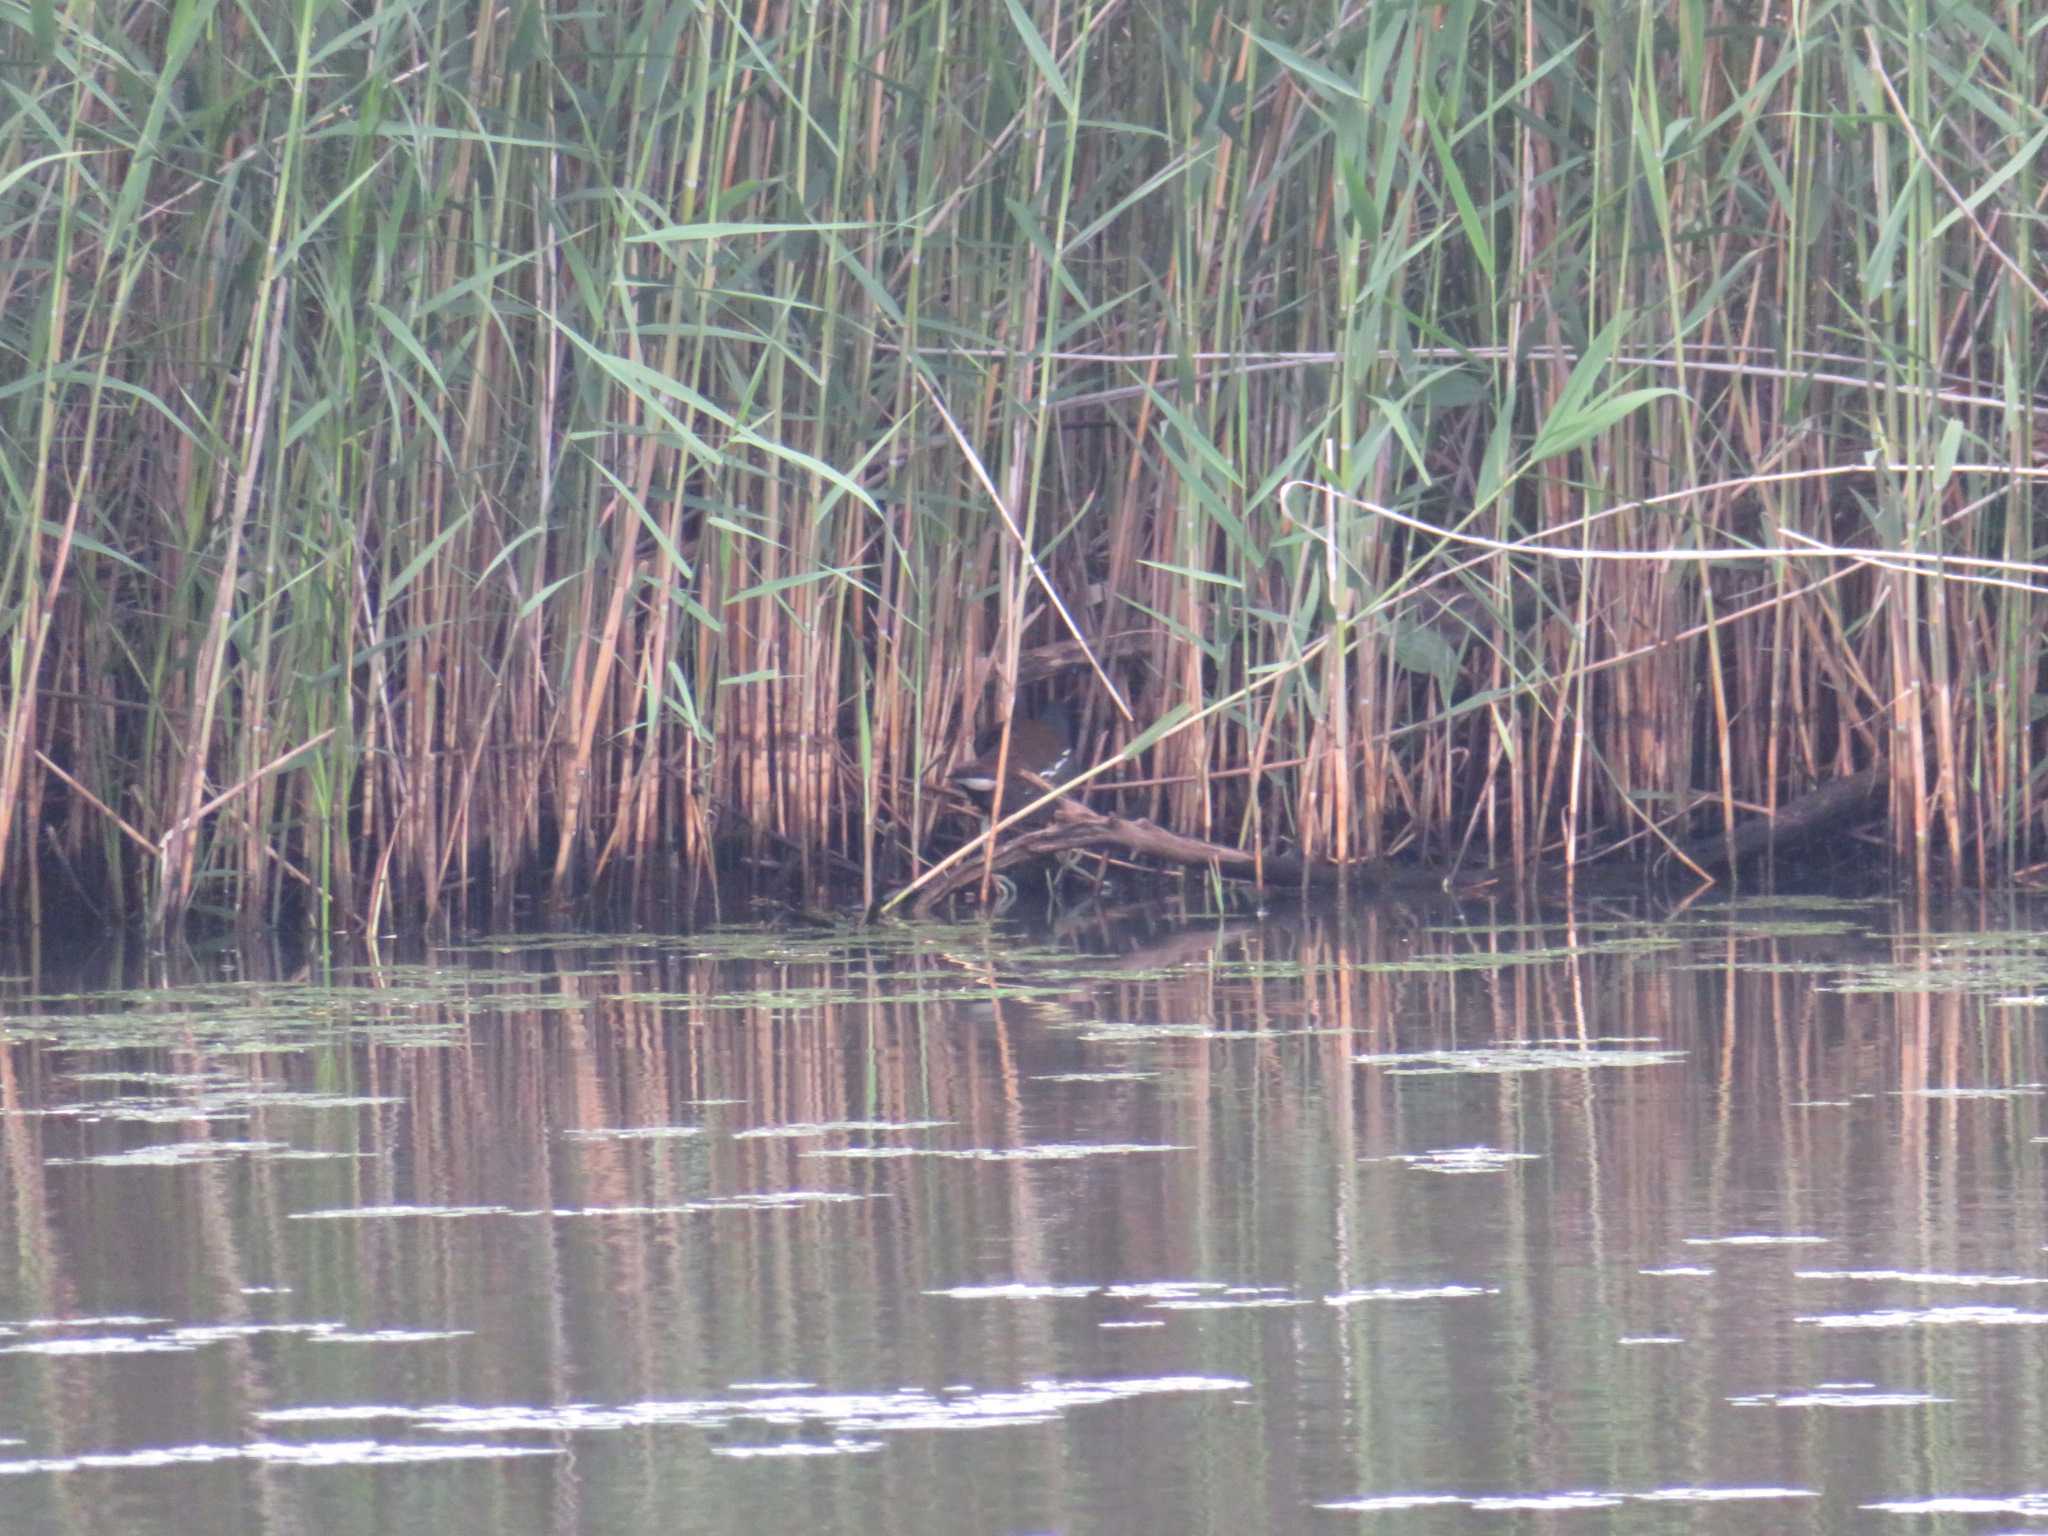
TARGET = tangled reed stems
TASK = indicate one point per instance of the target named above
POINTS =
(446, 445)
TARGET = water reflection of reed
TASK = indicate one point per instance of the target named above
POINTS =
(1797, 1109)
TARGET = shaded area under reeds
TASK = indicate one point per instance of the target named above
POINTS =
(450, 444)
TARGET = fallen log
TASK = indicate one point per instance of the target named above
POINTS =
(1075, 828)
(1826, 808)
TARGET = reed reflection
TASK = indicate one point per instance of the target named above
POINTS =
(1388, 1204)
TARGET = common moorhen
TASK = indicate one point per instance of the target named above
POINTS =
(1042, 744)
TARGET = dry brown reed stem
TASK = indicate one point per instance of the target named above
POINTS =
(1801, 546)
(1146, 264)
(127, 829)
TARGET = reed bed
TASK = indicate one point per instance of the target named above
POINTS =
(448, 446)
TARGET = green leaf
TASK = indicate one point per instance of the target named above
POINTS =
(1568, 429)
(1418, 648)
(1041, 55)
(1157, 729)
(1945, 454)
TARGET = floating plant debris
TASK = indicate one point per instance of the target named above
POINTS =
(1045, 1152)
(841, 1413)
(1015, 1290)
(1578, 1499)
(835, 1127)
(1756, 1240)
(2031, 1506)
(1917, 1277)
(633, 1133)
(768, 1200)
(1839, 1397)
(319, 1453)
(1931, 1317)
(395, 1212)
(170, 1154)
(800, 1448)
(1459, 1160)
(1231, 1298)
(1096, 1077)
(1409, 1293)
(1494, 1060)
(184, 1340)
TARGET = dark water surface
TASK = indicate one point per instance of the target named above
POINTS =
(1724, 1220)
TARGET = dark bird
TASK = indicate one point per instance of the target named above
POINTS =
(1042, 744)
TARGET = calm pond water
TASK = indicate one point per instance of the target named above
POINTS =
(1725, 1219)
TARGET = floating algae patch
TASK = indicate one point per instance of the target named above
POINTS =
(1163, 1290)
(785, 999)
(1509, 959)
(1539, 928)
(1113, 1032)
(155, 1079)
(898, 1409)
(835, 1127)
(858, 992)
(403, 1212)
(835, 1447)
(2010, 966)
(216, 1101)
(169, 1154)
(632, 1132)
(105, 1344)
(286, 1098)
(1095, 1077)
(768, 1200)
(1557, 1503)
(1852, 1396)
(1744, 929)
(1236, 1298)
(1491, 1061)
(195, 1336)
(1410, 1293)
(1459, 1160)
(1772, 917)
(411, 1006)
(1919, 1277)
(1014, 1290)
(136, 1111)
(321, 1453)
(1902, 1318)
(1758, 1240)
(823, 943)
(1045, 1152)
(1759, 967)
(557, 943)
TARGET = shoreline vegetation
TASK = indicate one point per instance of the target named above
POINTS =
(448, 446)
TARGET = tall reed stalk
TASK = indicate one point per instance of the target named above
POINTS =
(446, 444)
